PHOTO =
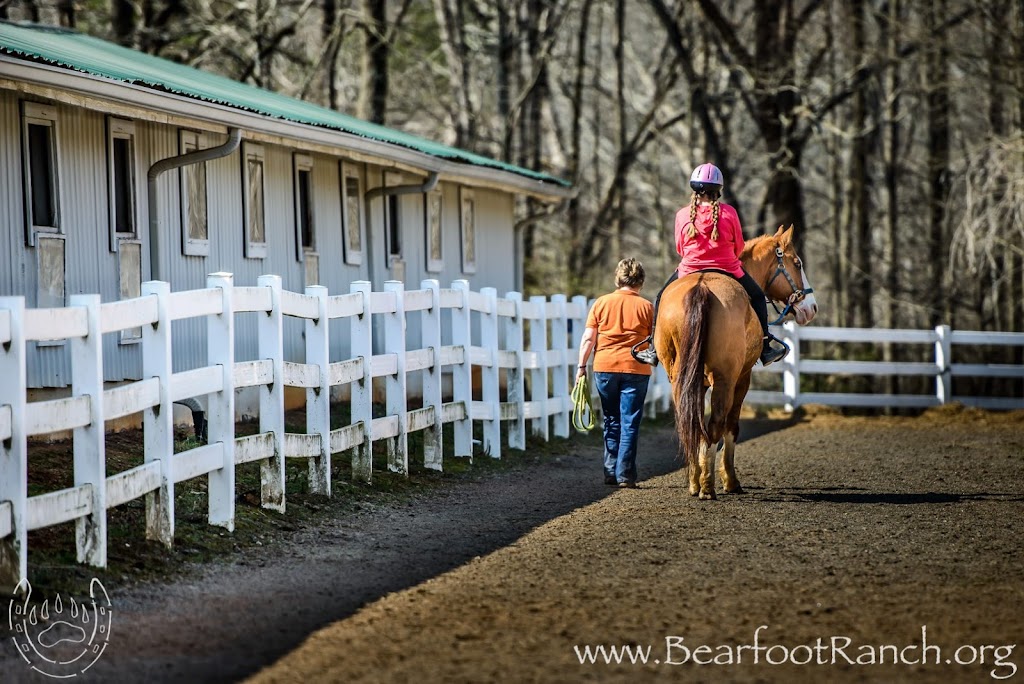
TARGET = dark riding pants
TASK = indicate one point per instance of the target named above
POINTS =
(753, 290)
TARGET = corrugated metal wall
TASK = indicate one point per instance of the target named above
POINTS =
(92, 267)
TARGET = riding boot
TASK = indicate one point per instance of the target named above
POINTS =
(649, 355)
(770, 354)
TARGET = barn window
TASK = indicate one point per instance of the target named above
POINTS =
(195, 239)
(304, 218)
(467, 223)
(40, 168)
(432, 220)
(393, 229)
(352, 213)
(121, 179)
(253, 200)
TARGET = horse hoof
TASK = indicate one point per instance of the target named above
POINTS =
(694, 491)
(707, 496)
(735, 490)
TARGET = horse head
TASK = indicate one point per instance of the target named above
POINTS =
(785, 280)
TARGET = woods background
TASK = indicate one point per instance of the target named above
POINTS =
(888, 131)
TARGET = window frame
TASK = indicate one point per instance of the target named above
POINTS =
(39, 114)
(433, 265)
(122, 129)
(192, 141)
(303, 163)
(352, 257)
(469, 260)
(253, 249)
(393, 220)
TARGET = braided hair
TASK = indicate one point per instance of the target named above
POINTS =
(715, 211)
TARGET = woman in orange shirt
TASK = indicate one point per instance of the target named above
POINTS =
(618, 321)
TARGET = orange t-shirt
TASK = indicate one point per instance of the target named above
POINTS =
(622, 319)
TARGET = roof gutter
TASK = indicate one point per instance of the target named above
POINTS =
(389, 191)
(157, 248)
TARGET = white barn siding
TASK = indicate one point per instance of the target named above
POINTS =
(91, 267)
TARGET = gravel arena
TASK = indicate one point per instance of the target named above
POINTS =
(864, 550)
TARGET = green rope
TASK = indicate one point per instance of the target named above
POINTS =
(582, 413)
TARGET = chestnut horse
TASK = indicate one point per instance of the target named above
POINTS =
(707, 335)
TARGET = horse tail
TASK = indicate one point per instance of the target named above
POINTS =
(689, 384)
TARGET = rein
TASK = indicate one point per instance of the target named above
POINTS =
(796, 296)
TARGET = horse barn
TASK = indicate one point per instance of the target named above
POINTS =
(118, 167)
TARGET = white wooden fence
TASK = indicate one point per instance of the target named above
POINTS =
(548, 353)
(942, 368)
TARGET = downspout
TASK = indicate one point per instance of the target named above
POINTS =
(156, 237)
(388, 191)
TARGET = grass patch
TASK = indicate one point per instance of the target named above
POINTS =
(132, 558)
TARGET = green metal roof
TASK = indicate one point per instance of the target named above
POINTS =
(70, 49)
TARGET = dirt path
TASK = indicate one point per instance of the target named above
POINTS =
(866, 529)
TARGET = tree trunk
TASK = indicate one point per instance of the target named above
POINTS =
(451, 23)
(122, 21)
(373, 101)
(938, 161)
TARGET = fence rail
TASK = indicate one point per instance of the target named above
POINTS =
(941, 368)
(503, 339)
(533, 341)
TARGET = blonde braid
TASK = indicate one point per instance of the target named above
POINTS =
(693, 217)
(714, 219)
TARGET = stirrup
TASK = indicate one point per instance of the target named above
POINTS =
(648, 356)
(770, 354)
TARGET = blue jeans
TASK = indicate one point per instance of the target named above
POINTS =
(622, 402)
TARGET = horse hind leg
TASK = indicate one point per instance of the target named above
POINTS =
(732, 430)
(706, 466)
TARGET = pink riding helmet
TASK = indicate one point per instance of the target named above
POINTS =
(706, 177)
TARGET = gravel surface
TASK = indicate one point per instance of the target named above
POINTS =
(869, 530)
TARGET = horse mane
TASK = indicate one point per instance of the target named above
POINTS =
(756, 243)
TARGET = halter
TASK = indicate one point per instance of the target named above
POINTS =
(796, 296)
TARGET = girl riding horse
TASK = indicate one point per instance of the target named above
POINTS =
(709, 238)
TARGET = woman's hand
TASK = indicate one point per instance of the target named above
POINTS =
(580, 372)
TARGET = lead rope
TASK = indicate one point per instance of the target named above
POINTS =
(582, 413)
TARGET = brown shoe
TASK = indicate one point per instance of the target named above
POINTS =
(628, 485)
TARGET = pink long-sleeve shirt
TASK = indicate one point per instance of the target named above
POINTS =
(701, 252)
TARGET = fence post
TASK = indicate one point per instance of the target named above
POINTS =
(514, 378)
(791, 368)
(158, 421)
(560, 384)
(462, 374)
(318, 399)
(394, 343)
(490, 392)
(431, 339)
(943, 361)
(220, 340)
(271, 347)
(361, 344)
(14, 451)
(539, 375)
(88, 441)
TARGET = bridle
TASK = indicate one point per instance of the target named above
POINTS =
(797, 295)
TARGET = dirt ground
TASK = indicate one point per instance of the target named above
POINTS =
(856, 539)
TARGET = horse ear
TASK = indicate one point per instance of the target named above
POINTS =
(778, 232)
(785, 236)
